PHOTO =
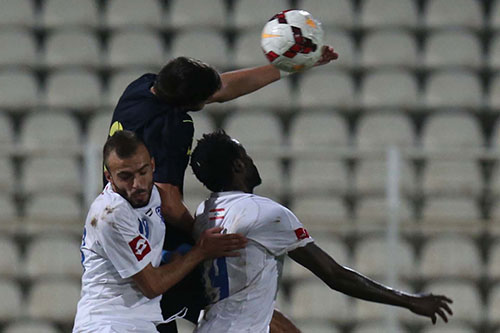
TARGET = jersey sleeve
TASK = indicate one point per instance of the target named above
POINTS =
(128, 250)
(278, 230)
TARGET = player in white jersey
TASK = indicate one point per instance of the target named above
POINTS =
(243, 289)
(122, 243)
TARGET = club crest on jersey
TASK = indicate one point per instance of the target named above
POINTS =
(140, 247)
(301, 233)
(158, 212)
(216, 214)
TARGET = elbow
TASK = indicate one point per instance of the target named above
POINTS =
(151, 292)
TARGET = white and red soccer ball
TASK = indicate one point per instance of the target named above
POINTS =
(292, 40)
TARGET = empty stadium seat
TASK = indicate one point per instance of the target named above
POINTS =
(376, 326)
(495, 15)
(493, 98)
(255, 13)
(452, 48)
(376, 209)
(31, 326)
(247, 49)
(331, 13)
(449, 328)
(493, 269)
(7, 174)
(494, 305)
(17, 13)
(453, 89)
(67, 47)
(458, 13)
(51, 174)
(6, 131)
(192, 201)
(10, 260)
(192, 13)
(203, 124)
(8, 209)
(326, 89)
(389, 89)
(388, 48)
(316, 327)
(73, 89)
(309, 176)
(11, 302)
(343, 43)
(18, 89)
(126, 13)
(373, 134)
(371, 177)
(448, 131)
(127, 48)
(98, 129)
(54, 300)
(119, 81)
(193, 186)
(64, 13)
(456, 210)
(320, 212)
(392, 13)
(442, 177)
(451, 256)
(52, 208)
(22, 50)
(277, 96)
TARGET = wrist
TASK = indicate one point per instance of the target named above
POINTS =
(198, 253)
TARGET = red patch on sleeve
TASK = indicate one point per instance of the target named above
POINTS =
(301, 233)
(140, 247)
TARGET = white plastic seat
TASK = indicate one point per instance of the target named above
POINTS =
(255, 13)
(22, 48)
(11, 301)
(320, 211)
(343, 44)
(278, 96)
(192, 201)
(73, 89)
(493, 98)
(10, 261)
(495, 15)
(493, 58)
(457, 13)
(52, 208)
(310, 176)
(8, 209)
(449, 328)
(127, 48)
(376, 209)
(7, 175)
(451, 131)
(31, 326)
(192, 13)
(67, 47)
(461, 177)
(452, 48)
(51, 174)
(458, 210)
(373, 133)
(54, 300)
(331, 13)
(127, 13)
(375, 13)
(55, 256)
(17, 13)
(192, 186)
(326, 89)
(392, 88)
(18, 89)
(6, 131)
(388, 48)
(98, 130)
(450, 257)
(494, 305)
(64, 13)
(371, 177)
(316, 327)
(376, 326)
(493, 269)
(206, 45)
(247, 50)
(119, 81)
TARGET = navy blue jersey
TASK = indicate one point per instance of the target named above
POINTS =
(166, 130)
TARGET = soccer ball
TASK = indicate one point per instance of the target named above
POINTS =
(292, 40)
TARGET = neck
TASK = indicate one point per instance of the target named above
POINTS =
(240, 188)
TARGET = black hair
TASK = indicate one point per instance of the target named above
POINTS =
(186, 81)
(124, 143)
(212, 159)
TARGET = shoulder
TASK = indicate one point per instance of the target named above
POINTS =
(110, 211)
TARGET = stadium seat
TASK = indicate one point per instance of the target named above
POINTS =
(51, 174)
(452, 256)
(456, 210)
(331, 13)
(321, 89)
(22, 50)
(309, 176)
(320, 212)
(494, 305)
(11, 302)
(373, 256)
(73, 89)
(247, 49)
(373, 135)
(8, 209)
(343, 44)
(64, 13)
(64, 133)
(318, 130)
(119, 80)
(17, 13)
(54, 300)
(18, 90)
(7, 174)
(31, 326)
(6, 131)
(127, 13)
(255, 13)
(376, 209)
(271, 172)
(449, 328)
(51, 208)
(443, 177)
(452, 49)
(493, 58)
(388, 13)
(493, 97)
(67, 47)
(371, 177)
(277, 96)
(128, 48)
(458, 13)
(493, 269)
(495, 15)
(448, 131)
(192, 201)
(10, 261)
(192, 13)
(389, 89)
(376, 326)
(316, 327)
(98, 129)
(53, 256)
(453, 89)
(388, 48)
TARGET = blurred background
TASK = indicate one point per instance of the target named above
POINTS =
(388, 156)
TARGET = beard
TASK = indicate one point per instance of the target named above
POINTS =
(137, 198)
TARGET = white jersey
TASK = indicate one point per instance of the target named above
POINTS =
(118, 242)
(242, 290)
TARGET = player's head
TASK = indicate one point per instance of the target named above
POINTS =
(129, 167)
(187, 83)
(222, 164)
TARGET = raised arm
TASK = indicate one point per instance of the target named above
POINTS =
(173, 208)
(352, 283)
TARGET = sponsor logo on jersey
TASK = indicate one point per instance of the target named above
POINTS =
(301, 233)
(216, 214)
(140, 247)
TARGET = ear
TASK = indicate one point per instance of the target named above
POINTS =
(153, 163)
(238, 166)
(107, 174)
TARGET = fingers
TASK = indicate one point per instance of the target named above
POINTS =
(442, 315)
(214, 230)
(447, 308)
(433, 318)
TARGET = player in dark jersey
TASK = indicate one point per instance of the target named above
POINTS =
(155, 107)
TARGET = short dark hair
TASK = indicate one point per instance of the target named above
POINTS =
(212, 159)
(186, 81)
(124, 143)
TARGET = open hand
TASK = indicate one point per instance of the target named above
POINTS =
(327, 54)
(214, 244)
(430, 305)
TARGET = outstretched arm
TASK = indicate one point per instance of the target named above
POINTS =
(244, 81)
(352, 283)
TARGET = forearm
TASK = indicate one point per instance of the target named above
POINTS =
(244, 81)
(173, 208)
